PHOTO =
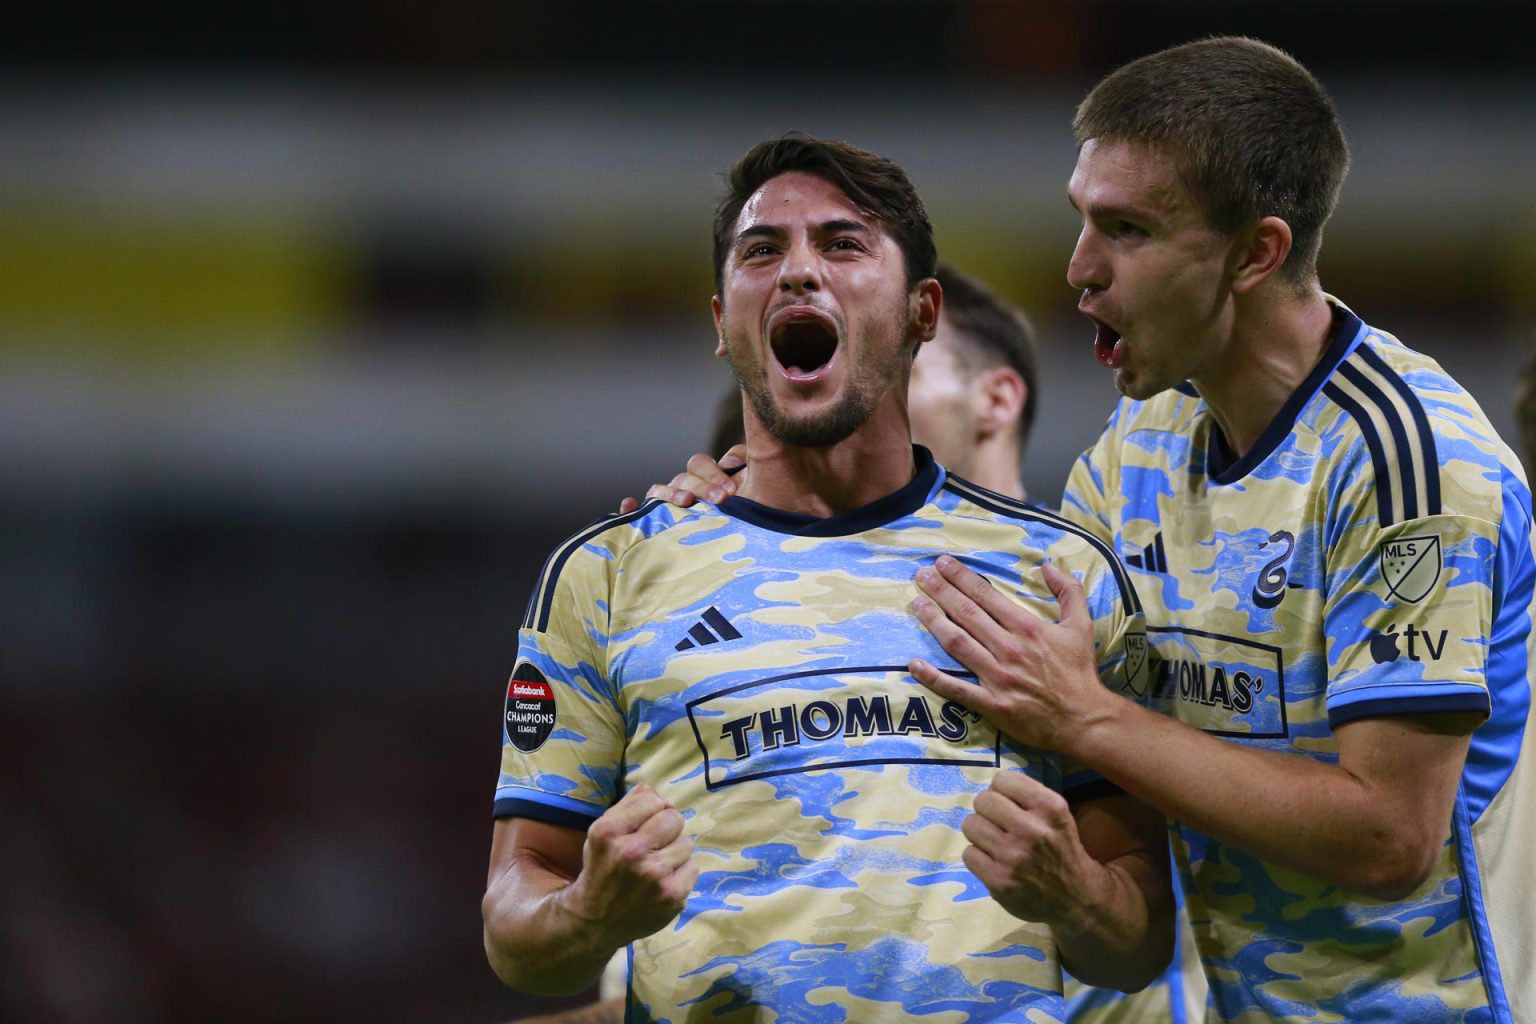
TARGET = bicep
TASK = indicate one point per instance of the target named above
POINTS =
(553, 848)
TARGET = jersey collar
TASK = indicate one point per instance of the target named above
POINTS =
(1219, 463)
(903, 502)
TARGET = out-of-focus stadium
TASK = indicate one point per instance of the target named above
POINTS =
(318, 330)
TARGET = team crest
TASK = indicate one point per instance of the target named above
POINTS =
(1136, 663)
(1410, 566)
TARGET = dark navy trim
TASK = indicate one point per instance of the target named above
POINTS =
(1003, 505)
(1412, 706)
(544, 597)
(1096, 790)
(1347, 329)
(896, 505)
(1380, 467)
(1405, 454)
(1415, 406)
(517, 807)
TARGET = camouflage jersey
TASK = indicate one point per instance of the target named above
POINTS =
(750, 664)
(1370, 556)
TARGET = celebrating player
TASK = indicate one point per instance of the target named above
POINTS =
(714, 749)
(1335, 547)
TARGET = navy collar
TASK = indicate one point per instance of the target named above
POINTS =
(1219, 461)
(893, 506)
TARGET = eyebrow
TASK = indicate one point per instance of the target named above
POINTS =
(829, 227)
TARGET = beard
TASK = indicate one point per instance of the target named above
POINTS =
(866, 385)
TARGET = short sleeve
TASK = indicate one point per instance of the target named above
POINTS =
(563, 736)
(1408, 616)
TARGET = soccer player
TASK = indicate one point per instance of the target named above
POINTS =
(1335, 548)
(713, 748)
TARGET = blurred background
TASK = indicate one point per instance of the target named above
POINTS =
(318, 329)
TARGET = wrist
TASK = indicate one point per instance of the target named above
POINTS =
(1100, 726)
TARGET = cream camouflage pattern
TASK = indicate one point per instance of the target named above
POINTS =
(823, 787)
(1370, 556)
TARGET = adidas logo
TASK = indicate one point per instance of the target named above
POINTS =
(702, 637)
(1151, 558)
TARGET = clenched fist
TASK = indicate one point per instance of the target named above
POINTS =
(636, 868)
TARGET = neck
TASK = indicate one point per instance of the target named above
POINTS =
(873, 461)
(1276, 342)
(994, 464)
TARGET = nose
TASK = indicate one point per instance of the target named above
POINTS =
(1086, 270)
(801, 269)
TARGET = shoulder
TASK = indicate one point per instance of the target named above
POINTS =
(1399, 424)
(590, 558)
(1070, 545)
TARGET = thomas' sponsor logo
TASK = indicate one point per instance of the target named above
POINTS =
(1390, 644)
(1228, 685)
(530, 712)
(791, 724)
(815, 720)
(1209, 685)
(1410, 566)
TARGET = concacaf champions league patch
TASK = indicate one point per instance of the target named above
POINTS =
(530, 709)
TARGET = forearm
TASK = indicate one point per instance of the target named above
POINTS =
(1315, 817)
(535, 941)
(1122, 935)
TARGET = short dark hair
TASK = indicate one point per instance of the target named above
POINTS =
(996, 333)
(872, 183)
(1252, 132)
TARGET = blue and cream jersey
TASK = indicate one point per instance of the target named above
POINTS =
(750, 664)
(1370, 556)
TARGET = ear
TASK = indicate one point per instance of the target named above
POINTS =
(717, 309)
(999, 398)
(1262, 251)
(923, 304)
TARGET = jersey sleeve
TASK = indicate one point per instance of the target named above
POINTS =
(563, 736)
(1409, 609)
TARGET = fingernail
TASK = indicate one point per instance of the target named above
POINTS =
(925, 575)
(921, 605)
(717, 494)
(945, 562)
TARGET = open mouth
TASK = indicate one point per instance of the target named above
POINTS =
(803, 342)
(1108, 345)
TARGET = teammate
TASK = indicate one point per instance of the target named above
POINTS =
(713, 749)
(1335, 547)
